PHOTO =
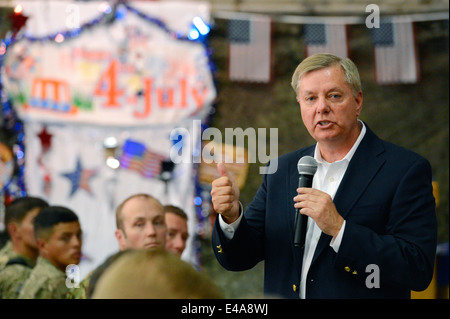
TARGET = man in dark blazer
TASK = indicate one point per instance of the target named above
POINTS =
(372, 229)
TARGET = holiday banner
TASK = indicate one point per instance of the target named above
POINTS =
(138, 70)
(101, 99)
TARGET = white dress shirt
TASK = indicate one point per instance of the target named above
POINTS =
(327, 179)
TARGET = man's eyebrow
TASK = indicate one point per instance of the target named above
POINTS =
(336, 88)
(67, 233)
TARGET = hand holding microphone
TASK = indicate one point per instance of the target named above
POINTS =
(313, 203)
(307, 167)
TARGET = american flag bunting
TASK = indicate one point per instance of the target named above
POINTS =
(250, 51)
(326, 38)
(395, 53)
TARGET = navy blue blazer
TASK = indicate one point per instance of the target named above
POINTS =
(386, 198)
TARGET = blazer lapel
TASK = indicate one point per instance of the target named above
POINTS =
(361, 170)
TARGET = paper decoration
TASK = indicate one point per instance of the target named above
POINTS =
(46, 139)
(112, 74)
(135, 79)
(6, 166)
(80, 178)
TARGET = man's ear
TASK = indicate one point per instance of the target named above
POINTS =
(359, 102)
(42, 245)
(13, 230)
(120, 236)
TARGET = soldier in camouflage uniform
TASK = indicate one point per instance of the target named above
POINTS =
(19, 216)
(6, 253)
(13, 275)
(18, 256)
(58, 234)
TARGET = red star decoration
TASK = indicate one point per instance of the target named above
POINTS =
(18, 20)
(46, 139)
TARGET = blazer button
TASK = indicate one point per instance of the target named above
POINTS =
(294, 287)
(347, 268)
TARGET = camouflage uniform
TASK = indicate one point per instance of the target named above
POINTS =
(13, 276)
(14, 270)
(80, 292)
(6, 253)
(45, 282)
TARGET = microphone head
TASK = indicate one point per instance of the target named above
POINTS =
(307, 165)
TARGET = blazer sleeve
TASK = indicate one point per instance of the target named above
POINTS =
(405, 250)
(246, 248)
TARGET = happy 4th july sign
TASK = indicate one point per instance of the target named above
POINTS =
(127, 73)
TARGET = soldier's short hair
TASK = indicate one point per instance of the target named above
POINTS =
(176, 210)
(20, 207)
(49, 217)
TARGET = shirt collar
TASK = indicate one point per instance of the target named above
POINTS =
(348, 157)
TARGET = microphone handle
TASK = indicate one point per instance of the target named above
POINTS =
(301, 221)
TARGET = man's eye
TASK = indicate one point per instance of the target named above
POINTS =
(65, 239)
(171, 234)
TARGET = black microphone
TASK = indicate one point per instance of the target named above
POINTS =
(307, 167)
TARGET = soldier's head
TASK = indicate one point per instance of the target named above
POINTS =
(140, 222)
(19, 217)
(58, 235)
(153, 274)
(177, 229)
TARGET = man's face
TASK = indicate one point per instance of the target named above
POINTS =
(177, 233)
(143, 223)
(26, 229)
(328, 108)
(64, 245)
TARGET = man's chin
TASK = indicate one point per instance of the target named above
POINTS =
(152, 245)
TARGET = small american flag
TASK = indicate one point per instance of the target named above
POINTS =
(136, 156)
(326, 38)
(250, 51)
(395, 53)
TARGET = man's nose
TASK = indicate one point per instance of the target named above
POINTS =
(322, 105)
(76, 241)
(179, 242)
(150, 230)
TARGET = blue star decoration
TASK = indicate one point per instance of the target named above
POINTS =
(80, 178)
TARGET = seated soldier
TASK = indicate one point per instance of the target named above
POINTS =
(58, 235)
(19, 255)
